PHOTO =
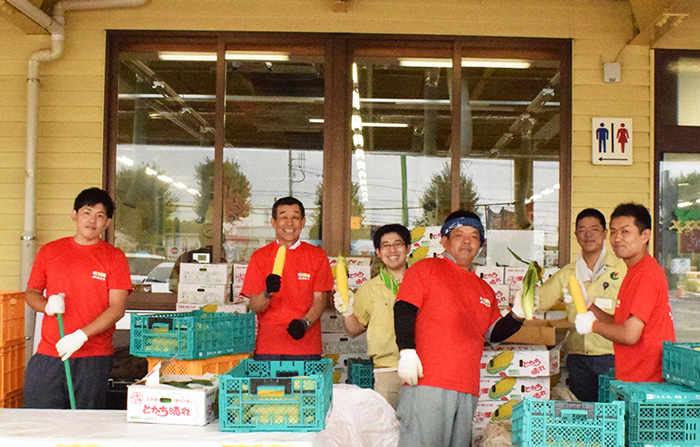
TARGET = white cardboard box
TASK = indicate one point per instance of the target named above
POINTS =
(153, 402)
(193, 273)
(332, 321)
(509, 388)
(238, 308)
(238, 277)
(490, 274)
(519, 360)
(514, 275)
(203, 293)
(487, 411)
(359, 269)
(339, 343)
(502, 292)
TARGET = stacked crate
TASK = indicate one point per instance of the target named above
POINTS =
(11, 348)
(510, 373)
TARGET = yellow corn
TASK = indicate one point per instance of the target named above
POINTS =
(577, 295)
(279, 261)
(341, 279)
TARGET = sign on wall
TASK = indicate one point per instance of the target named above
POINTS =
(611, 141)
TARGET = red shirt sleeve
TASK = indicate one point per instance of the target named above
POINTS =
(254, 280)
(411, 289)
(324, 276)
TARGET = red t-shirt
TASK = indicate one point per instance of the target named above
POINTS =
(644, 294)
(86, 274)
(455, 310)
(306, 270)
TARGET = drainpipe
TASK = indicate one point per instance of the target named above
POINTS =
(54, 25)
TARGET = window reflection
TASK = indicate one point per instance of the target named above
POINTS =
(164, 156)
(273, 144)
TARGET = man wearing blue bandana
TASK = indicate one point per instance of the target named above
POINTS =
(442, 316)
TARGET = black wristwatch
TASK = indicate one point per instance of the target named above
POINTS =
(307, 323)
(267, 295)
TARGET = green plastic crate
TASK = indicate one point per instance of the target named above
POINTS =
(604, 380)
(659, 414)
(192, 335)
(551, 423)
(361, 372)
(681, 364)
(291, 396)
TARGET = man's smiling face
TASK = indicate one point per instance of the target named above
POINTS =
(288, 224)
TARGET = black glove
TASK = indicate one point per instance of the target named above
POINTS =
(297, 328)
(272, 284)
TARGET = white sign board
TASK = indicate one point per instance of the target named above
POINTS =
(611, 141)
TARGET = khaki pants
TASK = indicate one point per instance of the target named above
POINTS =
(388, 383)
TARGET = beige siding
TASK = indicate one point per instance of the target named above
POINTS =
(71, 109)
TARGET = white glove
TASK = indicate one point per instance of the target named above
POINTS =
(338, 303)
(70, 343)
(56, 304)
(410, 366)
(517, 308)
(584, 323)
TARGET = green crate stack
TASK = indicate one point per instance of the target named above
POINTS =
(192, 335)
(551, 423)
(681, 364)
(604, 380)
(290, 396)
(659, 414)
(361, 372)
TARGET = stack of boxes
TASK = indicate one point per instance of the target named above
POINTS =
(11, 349)
(203, 284)
(510, 373)
(337, 345)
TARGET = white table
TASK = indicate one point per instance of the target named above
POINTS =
(108, 428)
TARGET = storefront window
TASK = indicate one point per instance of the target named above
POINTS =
(677, 231)
(165, 142)
(273, 144)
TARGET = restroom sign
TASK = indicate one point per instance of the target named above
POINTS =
(612, 141)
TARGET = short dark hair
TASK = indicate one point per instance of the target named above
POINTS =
(93, 196)
(391, 228)
(642, 218)
(591, 212)
(287, 201)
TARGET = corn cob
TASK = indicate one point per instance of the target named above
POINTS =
(279, 261)
(341, 280)
(577, 295)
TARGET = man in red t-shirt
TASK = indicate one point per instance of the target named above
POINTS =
(87, 280)
(442, 315)
(288, 306)
(643, 319)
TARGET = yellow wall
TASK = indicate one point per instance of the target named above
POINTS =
(72, 93)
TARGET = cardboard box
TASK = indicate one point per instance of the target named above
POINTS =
(359, 270)
(502, 292)
(541, 332)
(203, 293)
(514, 275)
(490, 274)
(489, 411)
(154, 402)
(239, 308)
(337, 343)
(332, 321)
(519, 360)
(509, 388)
(193, 273)
(238, 277)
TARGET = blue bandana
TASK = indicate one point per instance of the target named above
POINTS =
(463, 222)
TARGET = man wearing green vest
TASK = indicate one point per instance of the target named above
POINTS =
(372, 309)
(600, 273)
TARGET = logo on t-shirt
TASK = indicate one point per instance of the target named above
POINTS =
(485, 301)
(99, 275)
(614, 276)
(304, 276)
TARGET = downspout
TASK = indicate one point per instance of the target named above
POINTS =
(54, 25)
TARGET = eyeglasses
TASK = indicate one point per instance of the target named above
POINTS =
(395, 246)
(589, 231)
